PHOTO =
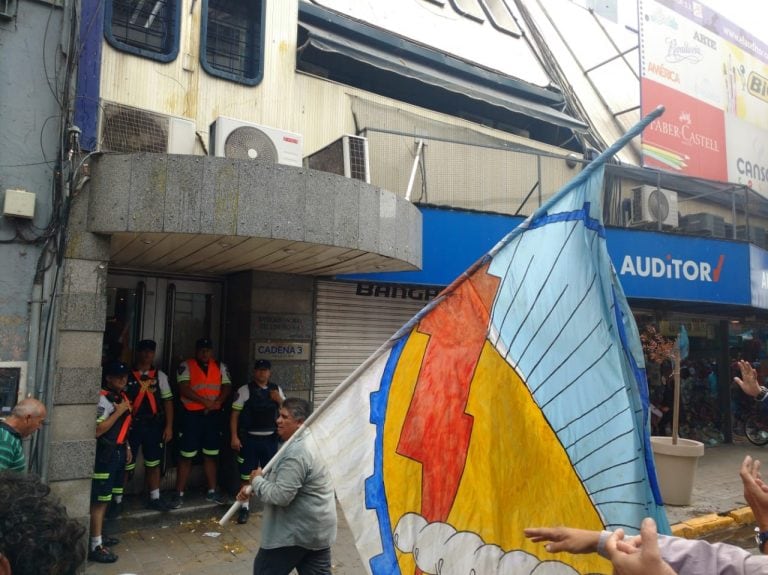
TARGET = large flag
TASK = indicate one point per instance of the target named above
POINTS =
(517, 398)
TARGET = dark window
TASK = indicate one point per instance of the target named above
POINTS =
(233, 39)
(148, 28)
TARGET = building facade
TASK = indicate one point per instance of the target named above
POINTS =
(293, 179)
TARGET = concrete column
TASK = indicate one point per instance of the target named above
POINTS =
(78, 343)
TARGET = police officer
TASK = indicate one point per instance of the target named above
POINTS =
(253, 424)
(152, 403)
(204, 387)
(113, 420)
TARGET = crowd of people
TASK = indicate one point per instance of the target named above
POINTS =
(135, 414)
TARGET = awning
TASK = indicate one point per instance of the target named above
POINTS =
(410, 60)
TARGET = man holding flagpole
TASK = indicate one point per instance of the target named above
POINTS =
(299, 523)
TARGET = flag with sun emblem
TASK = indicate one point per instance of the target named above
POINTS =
(518, 397)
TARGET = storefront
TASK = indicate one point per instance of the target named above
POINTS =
(717, 289)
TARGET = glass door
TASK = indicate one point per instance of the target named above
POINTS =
(192, 311)
(174, 313)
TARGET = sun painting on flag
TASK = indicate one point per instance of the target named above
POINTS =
(475, 448)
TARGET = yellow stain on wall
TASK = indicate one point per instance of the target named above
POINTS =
(517, 473)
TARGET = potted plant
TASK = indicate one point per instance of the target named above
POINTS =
(676, 458)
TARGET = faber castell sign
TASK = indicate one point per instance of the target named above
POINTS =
(283, 350)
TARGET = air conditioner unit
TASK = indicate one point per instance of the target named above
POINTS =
(651, 205)
(347, 156)
(127, 129)
(704, 224)
(237, 139)
(754, 234)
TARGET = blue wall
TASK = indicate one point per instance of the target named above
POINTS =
(651, 265)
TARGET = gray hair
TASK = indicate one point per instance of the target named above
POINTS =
(297, 407)
(28, 407)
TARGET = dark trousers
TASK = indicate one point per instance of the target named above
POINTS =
(282, 560)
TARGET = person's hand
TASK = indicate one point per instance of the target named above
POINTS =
(755, 491)
(209, 404)
(639, 557)
(564, 539)
(274, 395)
(748, 380)
(167, 434)
(256, 473)
(128, 455)
(235, 443)
(122, 407)
(244, 494)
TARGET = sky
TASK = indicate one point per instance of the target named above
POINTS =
(751, 15)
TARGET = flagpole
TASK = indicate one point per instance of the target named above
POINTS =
(582, 176)
(676, 400)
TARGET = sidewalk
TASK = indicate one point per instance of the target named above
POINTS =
(192, 542)
(170, 544)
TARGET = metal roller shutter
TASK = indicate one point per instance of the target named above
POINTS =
(349, 327)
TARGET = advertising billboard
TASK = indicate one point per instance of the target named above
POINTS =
(712, 78)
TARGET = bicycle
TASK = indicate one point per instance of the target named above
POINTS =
(756, 426)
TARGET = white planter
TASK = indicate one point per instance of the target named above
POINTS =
(676, 467)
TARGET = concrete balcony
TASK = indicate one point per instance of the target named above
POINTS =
(209, 215)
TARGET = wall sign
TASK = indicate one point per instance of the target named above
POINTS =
(283, 350)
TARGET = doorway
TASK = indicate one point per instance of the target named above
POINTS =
(175, 313)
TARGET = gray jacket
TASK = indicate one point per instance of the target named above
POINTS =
(299, 504)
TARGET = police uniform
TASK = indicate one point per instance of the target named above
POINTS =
(111, 448)
(257, 425)
(147, 391)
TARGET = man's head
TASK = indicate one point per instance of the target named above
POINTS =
(37, 535)
(203, 350)
(145, 352)
(116, 375)
(293, 412)
(27, 416)
(262, 369)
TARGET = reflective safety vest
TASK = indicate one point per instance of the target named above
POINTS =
(140, 389)
(203, 384)
(118, 432)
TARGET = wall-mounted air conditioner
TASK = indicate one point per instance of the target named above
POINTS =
(347, 156)
(651, 205)
(127, 129)
(231, 138)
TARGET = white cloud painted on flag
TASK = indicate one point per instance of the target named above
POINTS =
(439, 549)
